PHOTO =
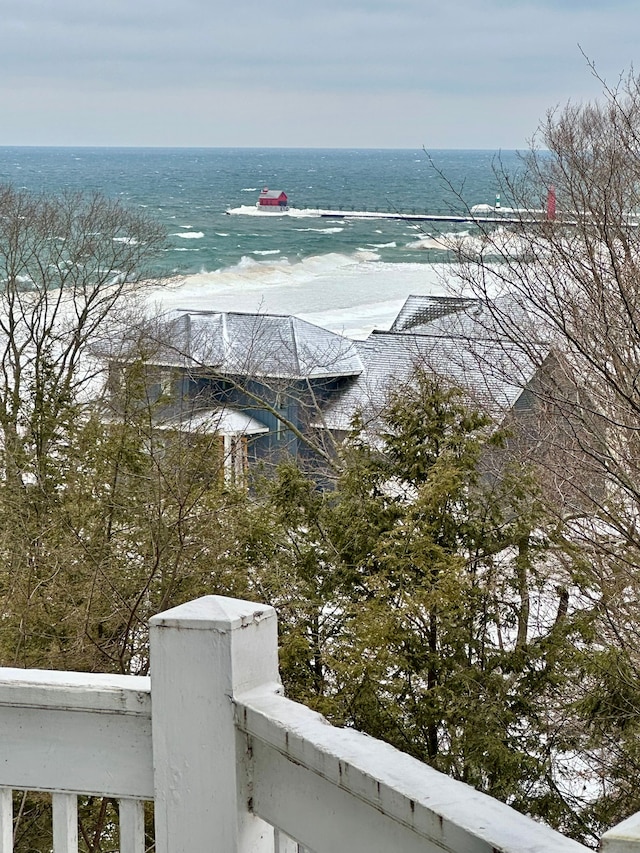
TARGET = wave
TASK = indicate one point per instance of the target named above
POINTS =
(189, 235)
(347, 293)
(502, 242)
(442, 243)
(252, 210)
(320, 230)
(265, 252)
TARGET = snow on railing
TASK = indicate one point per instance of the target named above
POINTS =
(231, 764)
(74, 733)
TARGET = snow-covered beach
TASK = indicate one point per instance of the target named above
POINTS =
(346, 294)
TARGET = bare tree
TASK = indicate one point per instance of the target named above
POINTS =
(572, 282)
(565, 282)
(66, 266)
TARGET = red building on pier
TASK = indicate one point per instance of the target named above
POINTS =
(272, 198)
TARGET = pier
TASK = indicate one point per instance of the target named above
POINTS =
(493, 216)
(496, 218)
(486, 215)
(275, 204)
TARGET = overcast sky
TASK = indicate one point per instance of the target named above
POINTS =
(296, 73)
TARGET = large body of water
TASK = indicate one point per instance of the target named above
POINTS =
(346, 274)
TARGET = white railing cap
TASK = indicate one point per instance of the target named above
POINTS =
(442, 810)
(87, 691)
(213, 612)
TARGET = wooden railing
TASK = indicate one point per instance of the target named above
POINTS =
(231, 764)
(74, 733)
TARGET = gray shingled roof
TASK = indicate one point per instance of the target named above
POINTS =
(456, 338)
(270, 345)
(492, 373)
(418, 311)
(503, 318)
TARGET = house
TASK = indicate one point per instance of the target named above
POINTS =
(445, 337)
(274, 385)
(255, 380)
(272, 199)
(505, 363)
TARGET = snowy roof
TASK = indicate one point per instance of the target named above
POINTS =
(224, 421)
(492, 373)
(501, 319)
(463, 340)
(277, 346)
(420, 310)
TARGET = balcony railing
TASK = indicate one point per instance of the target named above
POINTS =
(231, 764)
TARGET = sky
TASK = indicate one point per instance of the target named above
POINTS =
(296, 73)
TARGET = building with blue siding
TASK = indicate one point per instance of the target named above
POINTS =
(269, 386)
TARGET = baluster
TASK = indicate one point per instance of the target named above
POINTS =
(6, 820)
(65, 823)
(131, 826)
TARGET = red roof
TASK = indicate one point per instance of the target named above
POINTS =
(277, 194)
(272, 198)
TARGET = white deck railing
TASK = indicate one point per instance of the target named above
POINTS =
(231, 764)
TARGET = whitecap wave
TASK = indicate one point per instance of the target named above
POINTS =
(345, 293)
(429, 242)
(189, 235)
(265, 252)
(252, 210)
(500, 243)
(321, 230)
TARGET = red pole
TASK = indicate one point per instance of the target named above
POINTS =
(551, 203)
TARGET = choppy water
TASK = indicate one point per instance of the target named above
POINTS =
(347, 274)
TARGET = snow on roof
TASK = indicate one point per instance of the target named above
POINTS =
(467, 317)
(277, 346)
(492, 373)
(420, 310)
(459, 339)
(224, 421)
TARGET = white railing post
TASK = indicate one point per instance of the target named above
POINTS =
(202, 654)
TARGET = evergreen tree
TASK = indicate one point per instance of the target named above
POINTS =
(431, 604)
